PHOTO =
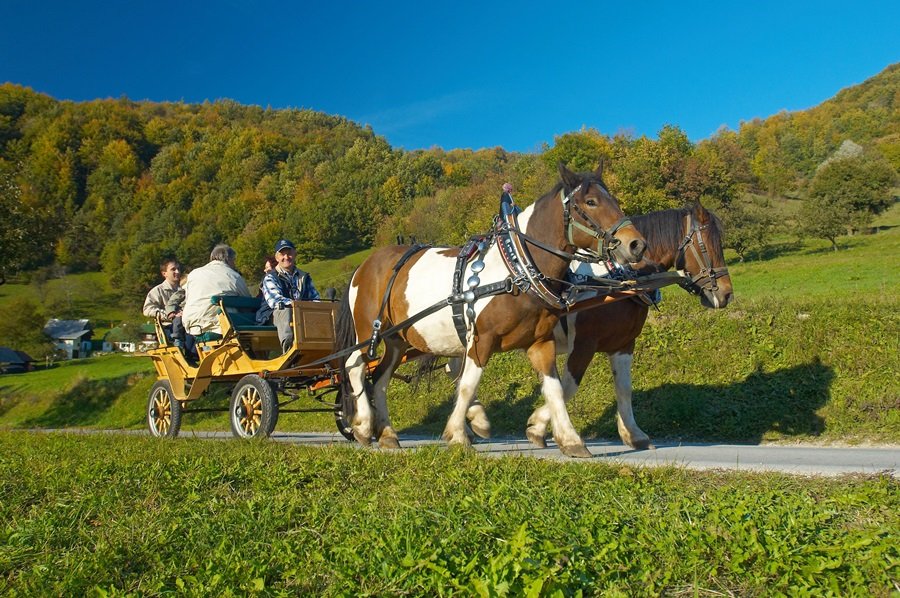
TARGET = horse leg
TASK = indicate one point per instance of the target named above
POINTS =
(576, 365)
(455, 431)
(478, 419)
(543, 358)
(384, 432)
(362, 419)
(629, 431)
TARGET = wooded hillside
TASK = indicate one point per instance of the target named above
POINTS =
(117, 184)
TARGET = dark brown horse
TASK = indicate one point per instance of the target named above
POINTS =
(382, 289)
(689, 240)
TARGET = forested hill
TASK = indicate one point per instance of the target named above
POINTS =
(790, 145)
(117, 184)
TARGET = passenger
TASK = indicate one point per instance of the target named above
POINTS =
(158, 297)
(281, 287)
(218, 277)
(268, 265)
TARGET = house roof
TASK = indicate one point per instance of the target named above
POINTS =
(8, 355)
(66, 329)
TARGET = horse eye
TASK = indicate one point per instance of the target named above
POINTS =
(591, 202)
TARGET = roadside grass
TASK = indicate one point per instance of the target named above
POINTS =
(789, 372)
(96, 392)
(106, 515)
(864, 266)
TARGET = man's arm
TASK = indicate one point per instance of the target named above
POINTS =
(176, 302)
(153, 304)
(272, 293)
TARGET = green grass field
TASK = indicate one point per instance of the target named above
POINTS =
(110, 516)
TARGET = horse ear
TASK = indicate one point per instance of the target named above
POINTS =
(570, 179)
(599, 172)
(699, 211)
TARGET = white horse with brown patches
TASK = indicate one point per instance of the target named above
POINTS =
(689, 240)
(382, 289)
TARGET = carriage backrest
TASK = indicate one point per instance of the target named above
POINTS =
(241, 312)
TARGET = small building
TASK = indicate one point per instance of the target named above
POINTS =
(15, 362)
(148, 338)
(125, 346)
(72, 337)
(101, 346)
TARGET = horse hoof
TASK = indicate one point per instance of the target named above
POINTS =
(641, 444)
(481, 429)
(478, 421)
(536, 438)
(578, 451)
(363, 439)
(456, 439)
(389, 442)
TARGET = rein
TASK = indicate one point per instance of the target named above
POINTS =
(707, 271)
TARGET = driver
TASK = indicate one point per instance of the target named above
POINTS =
(281, 287)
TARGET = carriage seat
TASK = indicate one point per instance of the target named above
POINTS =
(241, 312)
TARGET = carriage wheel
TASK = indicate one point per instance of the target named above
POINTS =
(254, 408)
(340, 417)
(163, 411)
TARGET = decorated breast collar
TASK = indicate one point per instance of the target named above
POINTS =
(526, 276)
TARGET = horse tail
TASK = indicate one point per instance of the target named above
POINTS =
(345, 336)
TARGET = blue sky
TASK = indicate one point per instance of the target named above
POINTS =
(460, 74)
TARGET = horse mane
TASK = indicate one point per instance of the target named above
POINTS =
(664, 230)
(586, 177)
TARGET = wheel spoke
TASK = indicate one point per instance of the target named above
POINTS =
(161, 420)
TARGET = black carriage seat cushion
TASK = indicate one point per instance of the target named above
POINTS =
(241, 312)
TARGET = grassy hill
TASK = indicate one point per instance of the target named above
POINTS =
(807, 352)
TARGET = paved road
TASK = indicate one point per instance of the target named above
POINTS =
(790, 459)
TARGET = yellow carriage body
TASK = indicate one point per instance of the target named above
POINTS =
(247, 348)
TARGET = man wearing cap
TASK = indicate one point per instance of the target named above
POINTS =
(284, 285)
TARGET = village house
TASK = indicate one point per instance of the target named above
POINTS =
(72, 337)
(14, 362)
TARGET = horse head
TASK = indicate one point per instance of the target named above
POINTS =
(701, 258)
(593, 219)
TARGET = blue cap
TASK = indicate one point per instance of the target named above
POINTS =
(284, 244)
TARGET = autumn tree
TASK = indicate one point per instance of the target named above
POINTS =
(846, 194)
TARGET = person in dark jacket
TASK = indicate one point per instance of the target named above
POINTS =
(281, 287)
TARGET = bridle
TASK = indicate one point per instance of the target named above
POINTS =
(708, 274)
(606, 240)
(512, 243)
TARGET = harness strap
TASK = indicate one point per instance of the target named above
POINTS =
(376, 324)
(519, 262)
(465, 254)
(496, 288)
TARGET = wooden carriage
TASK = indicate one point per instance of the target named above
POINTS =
(249, 358)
